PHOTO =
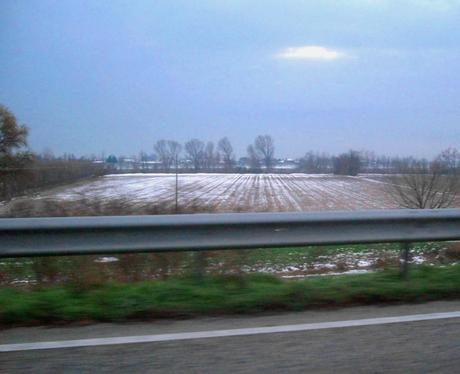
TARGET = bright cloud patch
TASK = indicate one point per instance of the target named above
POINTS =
(310, 52)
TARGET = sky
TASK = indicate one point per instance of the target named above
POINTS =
(109, 76)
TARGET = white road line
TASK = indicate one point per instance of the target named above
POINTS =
(223, 333)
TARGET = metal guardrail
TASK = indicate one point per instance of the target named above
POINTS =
(128, 234)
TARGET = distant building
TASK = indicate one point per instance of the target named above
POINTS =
(287, 164)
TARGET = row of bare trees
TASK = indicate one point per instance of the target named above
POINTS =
(354, 162)
(208, 156)
(202, 156)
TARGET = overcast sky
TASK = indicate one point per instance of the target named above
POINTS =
(115, 76)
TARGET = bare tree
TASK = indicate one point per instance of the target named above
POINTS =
(264, 148)
(254, 161)
(449, 160)
(195, 151)
(347, 163)
(421, 186)
(226, 148)
(174, 150)
(143, 158)
(168, 152)
(211, 157)
(162, 152)
(314, 162)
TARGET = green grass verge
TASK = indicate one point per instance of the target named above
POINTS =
(292, 256)
(220, 295)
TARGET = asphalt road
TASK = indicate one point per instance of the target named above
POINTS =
(408, 347)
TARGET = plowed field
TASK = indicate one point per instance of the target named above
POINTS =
(227, 192)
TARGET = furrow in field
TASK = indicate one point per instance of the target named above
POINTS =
(212, 192)
(243, 195)
(237, 200)
(309, 197)
(291, 191)
(266, 201)
(277, 191)
(350, 195)
(251, 198)
(200, 191)
(314, 192)
(332, 193)
(367, 195)
(224, 200)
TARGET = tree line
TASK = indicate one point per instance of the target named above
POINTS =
(198, 155)
(208, 156)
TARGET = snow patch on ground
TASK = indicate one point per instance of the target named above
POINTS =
(106, 259)
(348, 272)
(418, 259)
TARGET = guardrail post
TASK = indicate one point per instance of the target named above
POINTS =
(405, 253)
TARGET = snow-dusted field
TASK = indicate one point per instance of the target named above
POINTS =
(229, 192)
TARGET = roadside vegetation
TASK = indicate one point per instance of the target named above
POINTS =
(295, 262)
(82, 289)
(221, 294)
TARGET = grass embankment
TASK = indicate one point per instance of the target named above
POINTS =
(221, 295)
